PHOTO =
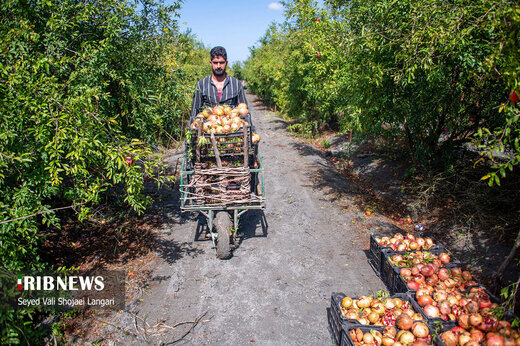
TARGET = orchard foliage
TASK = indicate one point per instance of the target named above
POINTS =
(88, 90)
(431, 74)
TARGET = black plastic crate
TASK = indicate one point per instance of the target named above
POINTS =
(335, 334)
(346, 340)
(430, 320)
(376, 251)
(390, 274)
(375, 254)
(374, 265)
(400, 285)
(336, 315)
(338, 318)
(436, 251)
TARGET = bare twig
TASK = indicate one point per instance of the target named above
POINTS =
(193, 325)
(41, 212)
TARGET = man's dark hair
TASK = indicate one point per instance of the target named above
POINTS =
(218, 51)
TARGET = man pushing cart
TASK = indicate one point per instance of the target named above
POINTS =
(221, 173)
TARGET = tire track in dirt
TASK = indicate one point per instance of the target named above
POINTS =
(276, 288)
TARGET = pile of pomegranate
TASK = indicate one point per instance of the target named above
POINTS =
(441, 291)
(451, 305)
(416, 333)
(380, 312)
(405, 243)
(410, 259)
(222, 119)
(478, 329)
(433, 275)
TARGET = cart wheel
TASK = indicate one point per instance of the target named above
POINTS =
(223, 225)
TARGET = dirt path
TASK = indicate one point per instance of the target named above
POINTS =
(276, 288)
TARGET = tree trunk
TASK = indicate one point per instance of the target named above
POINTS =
(509, 258)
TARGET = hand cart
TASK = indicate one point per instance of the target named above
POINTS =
(222, 177)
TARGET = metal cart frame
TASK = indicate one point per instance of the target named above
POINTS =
(212, 211)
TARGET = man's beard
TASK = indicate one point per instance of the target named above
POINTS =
(219, 72)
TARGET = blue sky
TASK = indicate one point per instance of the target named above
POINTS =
(234, 24)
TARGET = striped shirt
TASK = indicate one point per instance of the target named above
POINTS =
(206, 94)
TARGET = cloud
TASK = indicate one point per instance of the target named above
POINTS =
(276, 6)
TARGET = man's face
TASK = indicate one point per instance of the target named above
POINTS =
(218, 65)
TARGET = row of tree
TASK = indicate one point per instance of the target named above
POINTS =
(88, 91)
(427, 74)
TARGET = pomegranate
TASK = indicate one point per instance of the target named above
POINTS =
(421, 292)
(424, 300)
(450, 283)
(493, 339)
(484, 303)
(415, 270)
(431, 311)
(464, 338)
(436, 266)
(444, 307)
(472, 343)
(457, 271)
(373, 317)
(443, 274)
(405, 272)
(389, 304)
(466, 275)
(364, 302)
(419, 278)
(444, 258)
(390, 331)
(388, 341)
(440, 285)
(368, 338)
(427, 270)
(417, 317)
(457, 310)
(463, 321)
(440, 295)
(475, 319)
(388, 319)
(405, 337)
(472, 307)
(404, 322)
(397, 258)
(130, 161)
(477, 335)
(346, 302)
(431, 280)
(504, 324)
(414, 285)
(420, 330)
(378, 308)
(449, 337)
